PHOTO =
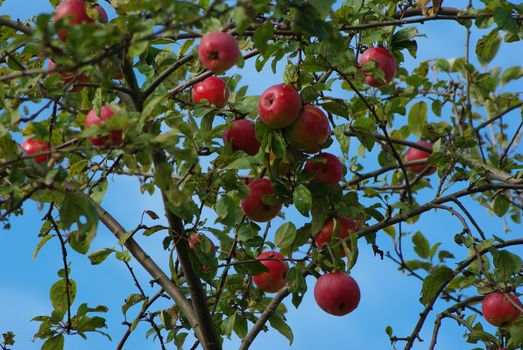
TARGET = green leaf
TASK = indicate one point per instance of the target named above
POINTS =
(262, 35)
(228, 212)
(367, 126)
(421, 245)
(99, 256)
(405, 34)
(228, 324)
(479, 335)
(240, 326)
(163, 176)
(297, 285)
(501, 205)
(58, 295)
(433, 282)
(511, 73)
(54, 343)
(302, 199)
(506, 263)
(516, 334)
(43, 241)
(279, 324)
(246, 232)
(285, 235)
(78, 209)
(250, 268)
(488, 46)
(322, 6)
(418, 118)
(505, 21)
(130, 301)
(240, 18)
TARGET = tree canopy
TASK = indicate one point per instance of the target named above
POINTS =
(87, 99)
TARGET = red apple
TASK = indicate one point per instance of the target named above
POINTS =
(309, 131)
(76, 12)
(384, 60)
(325, 168)
(279, 106)
(273, 280)
(31, 147)
(218, 51)
(254, 207)
(337, 293)
(417, 154)
(70, 78)
(212, 89)
(93, 119)
(344, 225)
(499, 311)
(242, 136)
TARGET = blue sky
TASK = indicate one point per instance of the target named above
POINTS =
(388, 298)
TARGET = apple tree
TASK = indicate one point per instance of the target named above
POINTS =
(148, 92)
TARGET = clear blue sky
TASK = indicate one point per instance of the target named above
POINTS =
(388, 297)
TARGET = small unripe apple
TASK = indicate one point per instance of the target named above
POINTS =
(273, 280)
(343, 226)
(501, 309)
(93, 119)
(218, 51)
(325, 168)
(254, 207)
(384, 60)
(279, 106)
(337, 293)
(77, 13)
(309, 131)
(194, 240)
(31, 147)
(413, 154)
(212, 89)
(70, 78)
(242, 136)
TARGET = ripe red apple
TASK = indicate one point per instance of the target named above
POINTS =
(337, 293)
(279, 106)
(70, 77)
(212, 89)
(344, 225)
(325, 168)
(273, 280)
(31, 146)
(417, 154)
(309, 131)
(93, 119)
(254, 207)
(77, 13)
(499, 311)
(218, 51)
(384, 60)
(242, 136)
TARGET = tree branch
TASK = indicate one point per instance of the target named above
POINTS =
(150, 266)
(264, 317)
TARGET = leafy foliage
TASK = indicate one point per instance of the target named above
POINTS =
(143, 64)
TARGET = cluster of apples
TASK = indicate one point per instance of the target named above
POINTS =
(305, 128)
(76, 12)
